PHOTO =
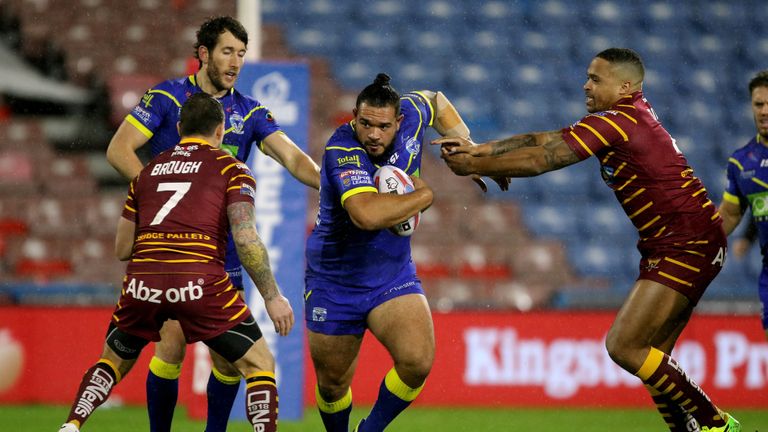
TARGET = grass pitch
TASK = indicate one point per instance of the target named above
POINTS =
(45, 418)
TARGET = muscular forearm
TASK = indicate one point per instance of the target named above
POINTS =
(306, 171)
(505, 145)
(380, 211)
(255, 261)
(525, 156)
(499, 147)
(250, 249)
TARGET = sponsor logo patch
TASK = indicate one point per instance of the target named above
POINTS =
(354, 178)
(349, 160)
(141, 114)
(246, 189)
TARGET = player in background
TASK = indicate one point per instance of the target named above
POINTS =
(220, 48)
(173, 231)
(360, 275)
(682, 242)
(748, 184)
(740, 247)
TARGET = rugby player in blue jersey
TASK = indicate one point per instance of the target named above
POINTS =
(748, 183)
(220, 48)
(359, 274)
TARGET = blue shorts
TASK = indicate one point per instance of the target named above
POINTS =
(762, 290)
(332, 309)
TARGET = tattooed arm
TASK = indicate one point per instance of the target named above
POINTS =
(524, 155)
(253, 256)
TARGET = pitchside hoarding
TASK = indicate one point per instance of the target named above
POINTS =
(546, 359)
(541, 359)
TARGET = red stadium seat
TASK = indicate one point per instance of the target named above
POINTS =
(9, 227)
(43, 270)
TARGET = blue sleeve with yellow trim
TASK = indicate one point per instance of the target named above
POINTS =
(418, 115)
(263, 122)
(148, 115)
(348, 169)
(733, 193)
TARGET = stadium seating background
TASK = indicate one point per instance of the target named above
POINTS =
(559, 240)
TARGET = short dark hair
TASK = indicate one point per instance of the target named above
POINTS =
(201, 114)
(209, 32)
(760, 80)
(380, 94)
(624, 56)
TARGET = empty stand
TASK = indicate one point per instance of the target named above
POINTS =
(509, 67)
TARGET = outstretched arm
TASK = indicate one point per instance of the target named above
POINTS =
(253, 256)
(449, 123)
(523, 155)
(281, 148)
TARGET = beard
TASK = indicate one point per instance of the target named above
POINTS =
(214, 75)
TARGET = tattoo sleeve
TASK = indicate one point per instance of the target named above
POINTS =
(558, 154)
(507, 144)
(250, 249)
(536, 153)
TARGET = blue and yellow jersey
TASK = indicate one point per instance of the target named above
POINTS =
(156, 115)
(748, 184)
(339, 253)
(246, 120)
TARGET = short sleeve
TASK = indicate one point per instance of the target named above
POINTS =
(348, 170)
(241, 186)
(153, 107)
(418, 115)
(264, 124)
(595, 132)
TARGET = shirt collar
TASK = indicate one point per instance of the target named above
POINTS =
(189, 141)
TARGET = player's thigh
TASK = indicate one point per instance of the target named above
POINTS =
(404, 326)
(651, 309)
(334, 356)
(122, 349)
(243, 341)
(172, 345)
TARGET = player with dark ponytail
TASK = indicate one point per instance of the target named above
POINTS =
(360, 276)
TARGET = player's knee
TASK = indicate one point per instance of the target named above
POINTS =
(332, 391)
(619, 350)
(417, 368)
(172, 346)
(170, 351)
(224, 367)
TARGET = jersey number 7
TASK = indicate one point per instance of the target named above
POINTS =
(179, 190)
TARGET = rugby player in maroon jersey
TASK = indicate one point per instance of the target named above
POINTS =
(173, 232)
(682, 242)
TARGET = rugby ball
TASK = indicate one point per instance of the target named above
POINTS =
(391, 179)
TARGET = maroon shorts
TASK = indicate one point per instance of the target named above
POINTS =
(686, 267)
(204, 305)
